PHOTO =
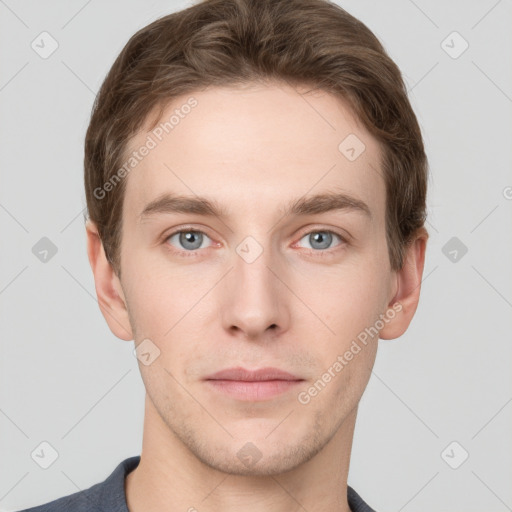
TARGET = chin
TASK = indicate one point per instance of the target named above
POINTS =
(260, 454)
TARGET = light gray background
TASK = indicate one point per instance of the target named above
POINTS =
(67, 380)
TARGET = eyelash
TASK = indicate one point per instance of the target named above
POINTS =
(316, 252)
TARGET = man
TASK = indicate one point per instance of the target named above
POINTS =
(256, 184)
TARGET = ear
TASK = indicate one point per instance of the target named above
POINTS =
(407, 296)
(108, 287)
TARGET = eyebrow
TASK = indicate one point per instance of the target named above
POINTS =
(316, 204)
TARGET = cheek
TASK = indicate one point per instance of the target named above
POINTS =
(348, 300)
(151, 281)
(153, 299)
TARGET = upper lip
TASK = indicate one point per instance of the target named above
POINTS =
(241, 374)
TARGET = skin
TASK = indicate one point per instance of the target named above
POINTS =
(253, 149)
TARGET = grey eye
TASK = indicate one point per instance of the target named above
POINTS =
(320, 240)
(189, 240)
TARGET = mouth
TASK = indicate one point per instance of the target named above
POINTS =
(253, 385)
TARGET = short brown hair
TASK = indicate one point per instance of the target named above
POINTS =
(234, 42)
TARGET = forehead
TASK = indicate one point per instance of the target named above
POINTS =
(253, 149)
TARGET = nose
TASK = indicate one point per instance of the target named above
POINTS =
(254, 301)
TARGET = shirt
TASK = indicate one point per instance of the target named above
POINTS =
(109, 495)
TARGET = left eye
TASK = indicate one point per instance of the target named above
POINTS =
(319, 240)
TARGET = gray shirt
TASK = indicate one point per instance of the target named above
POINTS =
(109, 496)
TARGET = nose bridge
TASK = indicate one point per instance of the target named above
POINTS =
(253, 300)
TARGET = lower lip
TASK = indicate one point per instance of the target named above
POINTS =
(254, 391)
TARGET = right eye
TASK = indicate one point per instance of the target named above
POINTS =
(187, 241)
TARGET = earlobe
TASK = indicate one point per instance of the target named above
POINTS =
(405, 301)
(108, 287)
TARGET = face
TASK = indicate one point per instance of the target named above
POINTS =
(265, 276)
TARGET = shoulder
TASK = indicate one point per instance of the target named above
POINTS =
(105, 496)
(76, 502)
(356, 503)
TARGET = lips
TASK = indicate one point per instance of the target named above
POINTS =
(263, 374)
(253, 385)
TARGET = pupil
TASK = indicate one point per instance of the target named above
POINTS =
(189, 237)
(322, 238)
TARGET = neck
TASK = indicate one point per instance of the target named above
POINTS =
(171, 478)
